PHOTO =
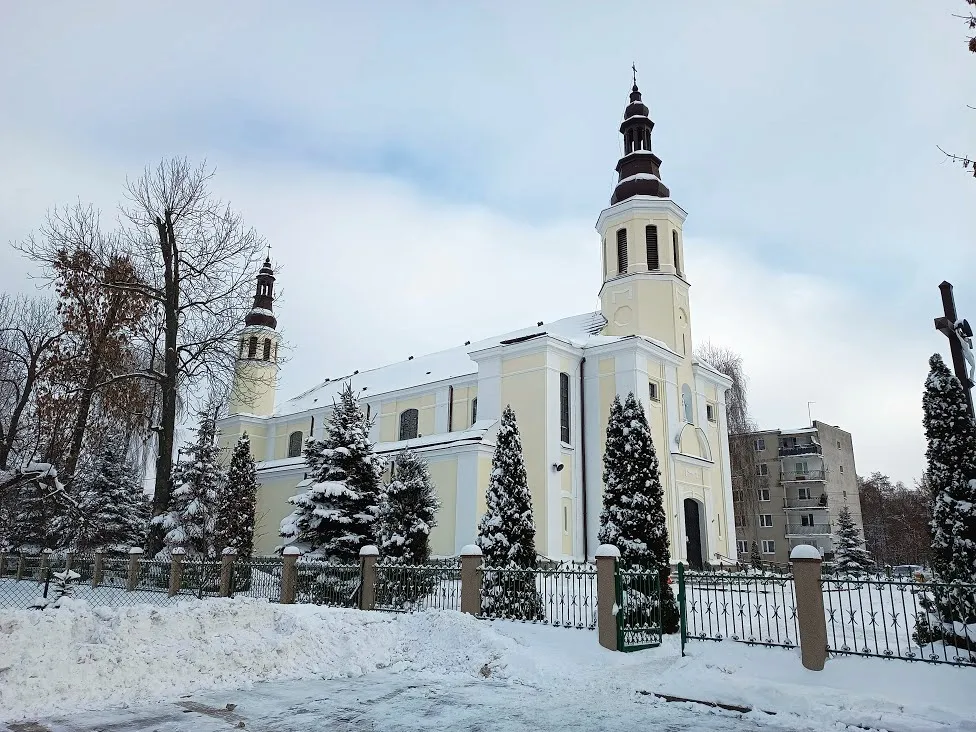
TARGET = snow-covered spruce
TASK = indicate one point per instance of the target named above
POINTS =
(506, 533)
(335, 517)
(234, 523)
(755, 557)
(189, 522)
(633, 516)
(850, 556)
(407, 511)
(951, 477)
(112, 513)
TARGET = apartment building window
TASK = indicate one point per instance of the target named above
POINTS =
(760, 444)
(564, 408)
(295, 444)
(766, 520)
(763, 494)
(768, 546)
(621, 251)
(803, 493)
(800, 468)
(762, 469)
(409, 419)
(650, 238)
(653, 391)
(710, 412)
(806, 519)
(742, 546)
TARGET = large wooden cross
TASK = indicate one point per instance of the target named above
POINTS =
(960, 336)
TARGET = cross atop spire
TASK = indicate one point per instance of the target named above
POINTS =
(634, 67)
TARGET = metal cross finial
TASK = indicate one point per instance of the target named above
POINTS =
(634, 67)
(269, 250)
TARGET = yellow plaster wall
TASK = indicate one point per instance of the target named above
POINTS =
(461, 415)
(272, 506)
(443, 473)
(391, 410)
(285, 429)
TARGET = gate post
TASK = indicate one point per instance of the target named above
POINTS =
(289, 575)
(811, 621)
(132, 581)
(227, 572)
(367, 557)
(682, 615)
(176, 571)
(98, 570)
(606, 595)
(471, 559)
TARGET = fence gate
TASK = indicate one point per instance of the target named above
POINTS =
(638, 599)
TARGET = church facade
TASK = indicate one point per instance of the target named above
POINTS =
(559, 377)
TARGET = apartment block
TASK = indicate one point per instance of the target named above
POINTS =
(800, 480)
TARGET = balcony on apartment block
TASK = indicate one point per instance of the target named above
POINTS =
(808, 530)
(807, 501)
(795, 476)
(795, 450)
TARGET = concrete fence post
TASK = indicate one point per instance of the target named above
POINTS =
(45, 563)
(20, 567)
(69, 559)
(607, 556)
(176, 571)
(471, 561)
(227, 572)
(289, 574)
(135, 555)
(3, 564)
(367, 558)
(98, 569)
(809, 606)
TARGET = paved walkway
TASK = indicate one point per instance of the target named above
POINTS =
(390, 701)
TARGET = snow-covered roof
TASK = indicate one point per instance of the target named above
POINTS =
(579, 330)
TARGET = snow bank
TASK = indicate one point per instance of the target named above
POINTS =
(82, 657)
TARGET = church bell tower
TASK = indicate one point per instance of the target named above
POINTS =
(256, 371)
(645, 286)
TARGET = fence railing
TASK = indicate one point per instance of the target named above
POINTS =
(753, 607)
(324, 583)
(404, 587)
(808, 530)
(564, 597)
(638, 600)
(901, 618)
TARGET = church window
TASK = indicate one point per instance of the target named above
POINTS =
(653, 391)
(408, 424)
(241, 354)
(565, 519)
(267, 349)
(252, 347)
(564, 407)
(474, 410)
(674, 244)
(604, 258)
(621, 250)
(650, 239)
(295, 444)
(274, 355)
(686, 404)
(710, 412)
(311, 427)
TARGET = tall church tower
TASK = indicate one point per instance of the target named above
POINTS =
(256, 372)
(645, 288)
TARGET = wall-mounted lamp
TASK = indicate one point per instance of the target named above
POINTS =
(557, 467)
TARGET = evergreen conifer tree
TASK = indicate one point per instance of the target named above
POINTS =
(755, 557)
(234, 523)
(951, 476)
(633, 516)
(113, 511)
(506, 533)
(408, 511)
(850, 555)
(197, 478)
(335, 517)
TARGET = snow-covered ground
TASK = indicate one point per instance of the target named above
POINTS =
(308, 667)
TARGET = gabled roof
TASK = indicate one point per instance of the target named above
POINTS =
(578, 330)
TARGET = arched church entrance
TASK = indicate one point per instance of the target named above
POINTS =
(694, 541)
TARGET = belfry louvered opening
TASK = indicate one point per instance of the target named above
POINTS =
(621, 250)
(650, 239)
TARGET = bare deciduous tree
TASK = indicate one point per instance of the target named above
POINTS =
(969, 19)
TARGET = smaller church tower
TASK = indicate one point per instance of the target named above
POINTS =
(256, 373)
(645, 285)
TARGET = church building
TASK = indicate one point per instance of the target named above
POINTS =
(559, 377)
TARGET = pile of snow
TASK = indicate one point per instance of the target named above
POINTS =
(80, 657)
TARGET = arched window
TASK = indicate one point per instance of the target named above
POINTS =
(295, 444)
(408, 424)
(252, 347)
(474, 410)
(686, 404)
(267, 349)
(674, 244)
(650, 239)
(621, 250)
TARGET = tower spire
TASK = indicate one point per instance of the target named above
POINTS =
(262, 311)
(639, 170)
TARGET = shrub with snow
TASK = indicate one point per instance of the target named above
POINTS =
(506, 533)
(633, 500)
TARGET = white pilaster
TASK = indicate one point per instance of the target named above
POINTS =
(440, 411)
(466, 511)
(595, 437)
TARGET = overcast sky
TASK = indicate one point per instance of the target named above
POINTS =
(430, 172)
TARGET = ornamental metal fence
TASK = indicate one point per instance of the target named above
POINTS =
(903, 618)
(259, 578)
(638, 600)
(564, 597)
(407, 588)
(748, 606)
(324, 583)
